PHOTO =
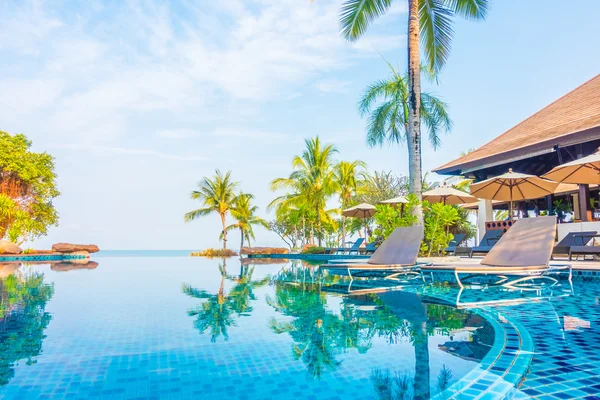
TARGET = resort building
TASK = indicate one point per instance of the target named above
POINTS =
(563, 131)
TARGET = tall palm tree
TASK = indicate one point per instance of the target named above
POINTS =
(243, 211)
(387, 104)
(429, 23)
(312, 181)
(217, 195)
(346, 177)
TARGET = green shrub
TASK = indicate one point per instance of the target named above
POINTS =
(314, 250)
(215, 253)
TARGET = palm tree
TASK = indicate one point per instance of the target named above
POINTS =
(217, 195)
(387, 104)
(429, 22)
(312, 181)
(346, 178)
(243, 211)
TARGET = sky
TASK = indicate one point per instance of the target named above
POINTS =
(139, 100)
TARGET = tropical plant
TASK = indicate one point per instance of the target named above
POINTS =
(218, 195)
(388, 218)
(244, 213)
(429, 23)
(346, 177)
(27, 189)
(212, 253)
(438, 220)
(311, 183)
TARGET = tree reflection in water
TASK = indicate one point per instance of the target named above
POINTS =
(23, 320)
(217, 313)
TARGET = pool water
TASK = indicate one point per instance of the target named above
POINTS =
(183, 328)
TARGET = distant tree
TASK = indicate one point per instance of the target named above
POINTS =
(27, 189)
(311, 183)
(347, 178)
(218, 195)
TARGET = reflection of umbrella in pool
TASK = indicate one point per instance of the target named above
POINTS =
(582, 171)
(513, 186)
(448, 195)
(362, 211)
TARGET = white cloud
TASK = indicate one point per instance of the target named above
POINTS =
(332, 85)
(244, 133)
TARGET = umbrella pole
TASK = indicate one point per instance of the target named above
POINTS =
(510, 212)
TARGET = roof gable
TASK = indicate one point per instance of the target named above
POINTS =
(577, 111)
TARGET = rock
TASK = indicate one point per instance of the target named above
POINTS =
(69, 266)
(71, 248)
(307, 246)
(7, 247)
(41, 252)
(264, 250)
(8, 269)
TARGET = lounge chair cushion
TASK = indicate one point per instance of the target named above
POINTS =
(400, 248)
(528, 243)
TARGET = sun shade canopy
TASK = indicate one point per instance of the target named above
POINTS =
(513, 186)
(362, 210)
(586, 170)
(448, 195)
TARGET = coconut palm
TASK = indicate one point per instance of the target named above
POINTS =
(242, 294)
(311, 183)
(243, 211)
(346, 177)
(217, 195)
(386, 103)
(429, 23)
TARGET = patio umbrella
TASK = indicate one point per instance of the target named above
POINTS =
(513, 186)
(394, 202)
(586, 170)
(448, 195)
(362, 211)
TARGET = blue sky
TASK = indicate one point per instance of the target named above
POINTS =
(139, 100)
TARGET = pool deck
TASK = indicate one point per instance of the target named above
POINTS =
(451, 264)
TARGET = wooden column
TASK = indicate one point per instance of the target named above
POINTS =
(584, 200)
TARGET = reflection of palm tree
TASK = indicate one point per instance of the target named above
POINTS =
(218, 311)
(22, 320)
(314, 329)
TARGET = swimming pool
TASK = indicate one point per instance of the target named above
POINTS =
(177, 327)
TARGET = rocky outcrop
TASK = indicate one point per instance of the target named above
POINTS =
(307, 246)
(72, 248)
(69, 266)
(264, 250)
(7, 247)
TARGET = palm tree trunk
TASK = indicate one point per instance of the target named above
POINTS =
(343, 231)
(242, 240)
(318, 225)
(414, 107)
(224, 231)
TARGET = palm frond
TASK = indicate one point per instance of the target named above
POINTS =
(357, 15)
(436, 30)
(470, 9)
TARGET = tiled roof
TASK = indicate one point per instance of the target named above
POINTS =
(577, 111)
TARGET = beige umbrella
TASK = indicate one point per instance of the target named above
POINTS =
(448, 195)
(362, 211)
(586, 170)
(513, 186)
(395, 201)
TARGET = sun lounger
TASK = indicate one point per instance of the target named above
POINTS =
(488, 241)
(523, 251)
(572, 239)
(396, 255)
(369, 248)
(585, 248)
(349, 250)
(458, 238)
